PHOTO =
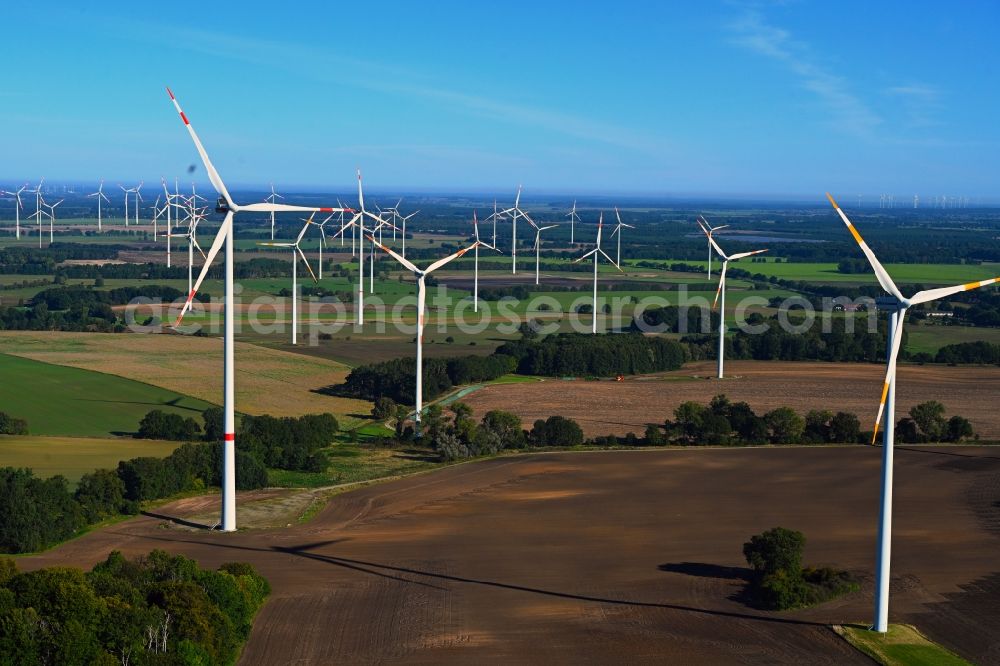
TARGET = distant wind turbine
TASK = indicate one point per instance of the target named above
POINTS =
(595, 252)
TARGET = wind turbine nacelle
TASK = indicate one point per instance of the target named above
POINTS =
(221, 206)
(888, 303)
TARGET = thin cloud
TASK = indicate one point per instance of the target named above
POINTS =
(920, 102)
(327, 66)
(852, 115)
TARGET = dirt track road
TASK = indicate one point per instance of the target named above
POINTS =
(607, 557)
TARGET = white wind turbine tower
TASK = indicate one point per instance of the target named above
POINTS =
(597, 251)
(721, 291)
(497, 215)
(514, 213)
(896, 304)
(192, 244)
(157, 211)
(17, 209)
(296, 253)
(475, 280)
(573, 219)
(38, 208)
(420, 274)
(709, 229)
(538, 243)
(138, 198)
(225, 237)
(100, 195)
(371, 259)
(52, 219)
(404, 218)
(618, 232)
(272, 198)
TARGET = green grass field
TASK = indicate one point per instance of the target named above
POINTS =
(902, 645)
(827, 272)
(62, 401)
(75, 456)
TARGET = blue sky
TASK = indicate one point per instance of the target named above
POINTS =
(745, 98)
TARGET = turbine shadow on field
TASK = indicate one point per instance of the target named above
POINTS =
(719, 572)
(176, 520)
(938, 452)
(372, 568)
(704, 570)
(175, 403)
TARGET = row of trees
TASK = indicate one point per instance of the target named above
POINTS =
(74, 296)
(155, 609)
(38, 513)
(292, 443)
(577, 354)
(725, 422)
(396, 379)
(461, 437)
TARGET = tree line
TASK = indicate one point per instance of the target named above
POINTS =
(154, 609)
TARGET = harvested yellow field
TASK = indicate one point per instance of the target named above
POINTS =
(268, 381)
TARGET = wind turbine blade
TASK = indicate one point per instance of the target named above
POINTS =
(890, 370)
(610, 259)
(740, 255)
(405, 262)
(264, 207)
(220, 238)
(722, 283)
(361, 195)
(194, 241)
(929, 295)
(306, 262)
(883, 276)
(712, 241)
(213, 175)
(302, 233)
(578, 260)
(441, 262)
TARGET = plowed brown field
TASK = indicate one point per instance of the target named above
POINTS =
(606, 557)
(615, 408)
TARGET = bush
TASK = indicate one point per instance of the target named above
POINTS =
(158, 424)
(556, 431)
(778, 581)
(12, 426)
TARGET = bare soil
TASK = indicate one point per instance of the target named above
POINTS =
(606, 557)
(616, 408)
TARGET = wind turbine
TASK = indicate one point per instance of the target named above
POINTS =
(192, 243)
(497, 215)
(52, 219)
(573, 218)
(296, 253)
(596, 251)
(100, 195)
(157, 211)
(477, 245)
(897, 304)
(371, 259)
(135, 191)
(421, 275)
(538, 243)
(404, 218)
(274, 196)
(224, 236)
(38, 208)
(618, 231)
(710, 230)
(17, 209)
(514, 212)
(721, 291)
